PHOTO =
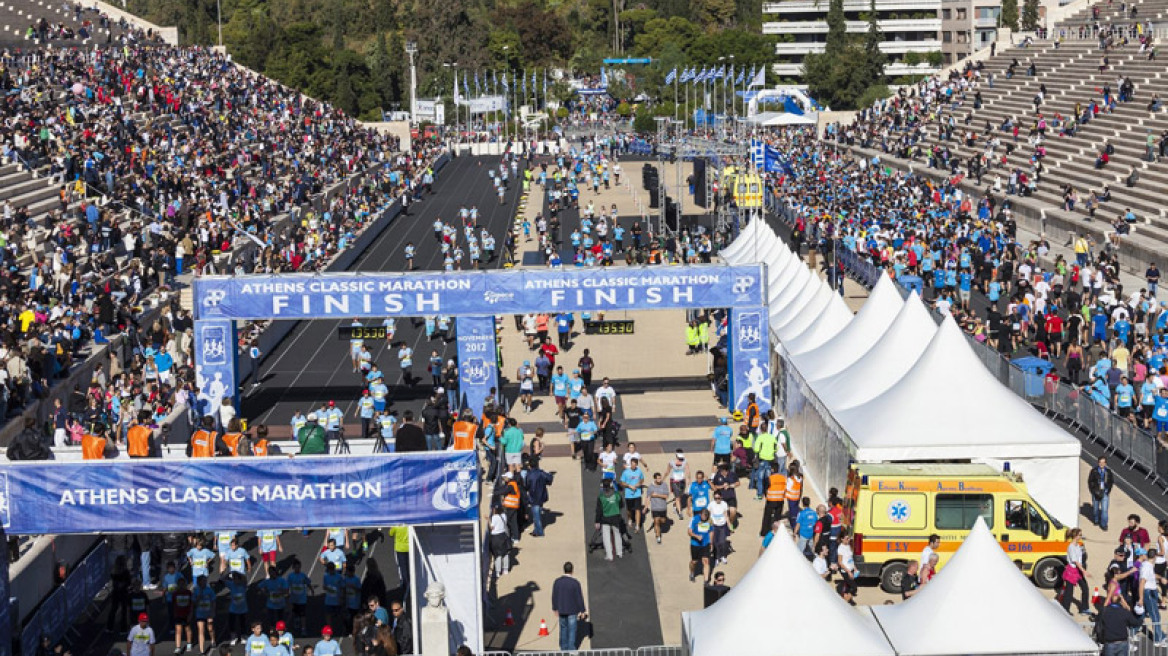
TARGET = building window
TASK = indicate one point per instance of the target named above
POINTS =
(961, 13)
(963, 37)
(946, 14)
(947, 37)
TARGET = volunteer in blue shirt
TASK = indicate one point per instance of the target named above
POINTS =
(699, 544)
(333, 585)
(722, 442)
(632, 481)
(236, 560)
(805, 522)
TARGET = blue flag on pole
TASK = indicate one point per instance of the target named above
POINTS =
(671, 76)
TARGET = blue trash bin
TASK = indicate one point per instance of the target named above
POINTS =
(1035, 370)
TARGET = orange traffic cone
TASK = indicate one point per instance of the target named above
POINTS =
(508, 620)
(543, 627)
(1095, 596)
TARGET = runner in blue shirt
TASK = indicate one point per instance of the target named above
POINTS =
(632, 481)
(299, 586)
(276, 589)
(256, 642)
(1160, 413)
(1124, 397)
(351, 583)
(699, 543)
(332, 584)
(204, 599)
(326, 646)
(699, 493)
(200, 559)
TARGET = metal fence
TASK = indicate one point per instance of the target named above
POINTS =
(1071, 406)
(660, 650)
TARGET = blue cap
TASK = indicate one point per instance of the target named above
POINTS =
(527, 363)
(723, 420)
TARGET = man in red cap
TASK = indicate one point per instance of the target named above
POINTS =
(333, 419)
(326, 646)
(141, 640)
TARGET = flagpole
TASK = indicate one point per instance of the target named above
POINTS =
(675, 76)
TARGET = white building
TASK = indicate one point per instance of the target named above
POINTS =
(908, 26)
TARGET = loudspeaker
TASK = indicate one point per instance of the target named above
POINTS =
(654, 197)
(649, 179)
(699, 181)
(672, 214)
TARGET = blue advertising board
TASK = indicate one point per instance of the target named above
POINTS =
(97, 570)
(240, 493)
(478, 369)
(750, 362)
(216, 370)
(475, 293)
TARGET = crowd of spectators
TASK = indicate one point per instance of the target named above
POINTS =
(169, 160)
(1016, 295)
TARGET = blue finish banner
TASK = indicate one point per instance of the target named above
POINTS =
(750, 363)
(478, 369)
(239, 493)
(215, 366)
(475, 293)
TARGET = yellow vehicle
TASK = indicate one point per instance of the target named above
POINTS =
(892, 510)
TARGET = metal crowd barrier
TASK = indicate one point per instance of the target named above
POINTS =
(1072, 406)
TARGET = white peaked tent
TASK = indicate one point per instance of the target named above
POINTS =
(796, 322)
(979, 603)
(820, 624)
(737, 250)
(798, 278)
(766, 250)
(853, 340)
(834, 318)
(949, 407)
(797, 300)
(776, 265)
(785, 279)
(882, 365)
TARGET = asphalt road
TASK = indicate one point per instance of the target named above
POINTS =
(312, 365)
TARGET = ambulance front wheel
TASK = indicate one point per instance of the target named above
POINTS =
(1048, 572)
(892, 576)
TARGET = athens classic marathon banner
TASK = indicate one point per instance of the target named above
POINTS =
(375, 294)
(478, 370)
(750, 372)
(238, 493)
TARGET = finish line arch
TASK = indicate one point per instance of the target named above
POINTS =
(473, 298)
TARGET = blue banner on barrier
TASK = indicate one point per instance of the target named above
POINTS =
(5, 606)
(750, 371)
(30, 637)
(478, 370)
(77, 595)
(215, 368)
(97, 570)
(240, 493)
(337, 295)
(52, 615)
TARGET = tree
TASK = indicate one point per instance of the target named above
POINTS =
(1009, 16)
(1030, 15)
(837, 29)
(874, 57)
(643, 123)
(714, 14)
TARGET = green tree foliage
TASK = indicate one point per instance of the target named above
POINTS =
(351, 52)
(1030, 15)
(714, 14)
(1009, 15)
(847, 72)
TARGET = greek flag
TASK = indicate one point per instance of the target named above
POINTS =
(465, 86)
(478, 88)
(702, 76)
(506, 84)
(525, 85)
(671, 77)
(741, 76)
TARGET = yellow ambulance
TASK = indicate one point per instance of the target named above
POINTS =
(893, 509)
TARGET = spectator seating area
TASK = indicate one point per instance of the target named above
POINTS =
(29, 23)
(127, 165)
(965, 122)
